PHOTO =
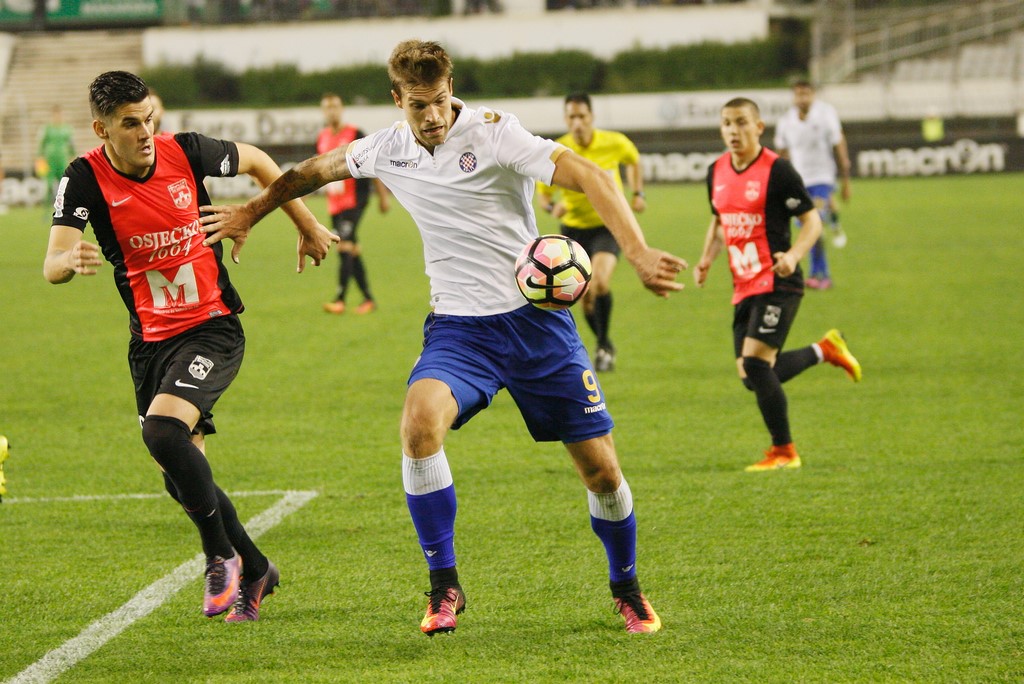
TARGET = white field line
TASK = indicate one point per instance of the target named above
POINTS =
(93, 637)
(119, 497)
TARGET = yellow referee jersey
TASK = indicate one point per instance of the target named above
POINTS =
(607, 149)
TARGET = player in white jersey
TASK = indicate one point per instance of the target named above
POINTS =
(811, 136)
(467, 178)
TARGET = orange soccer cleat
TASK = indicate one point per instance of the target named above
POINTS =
(444, 605)
(834, 351)
(636, 610)
(337, 308)
(368, 306)
(777, 458)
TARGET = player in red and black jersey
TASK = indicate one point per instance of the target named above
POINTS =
(346, 201)
(141, 192)
(754, 194)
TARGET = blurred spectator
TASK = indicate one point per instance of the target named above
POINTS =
(478, 6)
(933, 128)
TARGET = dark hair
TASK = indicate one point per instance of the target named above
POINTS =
(112, 89)
(738, 102)
(418, 62)
(801, 82)
(581, 98)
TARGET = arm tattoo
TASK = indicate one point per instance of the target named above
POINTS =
(296, 182)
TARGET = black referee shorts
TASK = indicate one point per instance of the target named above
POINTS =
(594, 240)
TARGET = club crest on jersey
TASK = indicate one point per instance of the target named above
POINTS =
(180, 193)
(200, 367)
(753, 190)
(467, 162)
(772, 314)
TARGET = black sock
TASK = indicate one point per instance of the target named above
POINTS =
(591, 319)
(625, 587)
(444, 578)
(771, 399)
(793, 363)
(254, 563)
(602, 317)
(344, 274)
(170, 443)
(359, 272)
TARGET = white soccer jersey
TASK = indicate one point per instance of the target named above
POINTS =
(471, 200)
(811, 141)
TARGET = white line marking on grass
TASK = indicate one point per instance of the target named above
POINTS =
(117, 497)
(93, 637)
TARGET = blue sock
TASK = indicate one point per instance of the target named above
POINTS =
(619, 539)
(819, 267)
(430, 495)
(433, 515)
(612, 519)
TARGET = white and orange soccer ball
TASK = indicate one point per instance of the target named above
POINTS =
(553, 272)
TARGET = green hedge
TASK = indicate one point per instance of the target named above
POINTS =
(758, 64)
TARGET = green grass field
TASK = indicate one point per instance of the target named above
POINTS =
(894, 555)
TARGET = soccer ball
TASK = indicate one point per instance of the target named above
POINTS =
(553, 272)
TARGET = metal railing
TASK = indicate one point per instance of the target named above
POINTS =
(850, 42)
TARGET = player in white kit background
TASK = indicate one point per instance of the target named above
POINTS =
(811, 136)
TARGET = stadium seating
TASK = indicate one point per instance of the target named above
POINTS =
(54, 68)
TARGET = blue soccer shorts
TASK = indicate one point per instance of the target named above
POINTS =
(822, 196)
(536, 354)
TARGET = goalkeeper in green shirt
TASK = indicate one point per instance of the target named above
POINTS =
(56, 150)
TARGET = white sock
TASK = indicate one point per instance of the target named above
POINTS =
(614, 506)
(817, 350)
(425, 475)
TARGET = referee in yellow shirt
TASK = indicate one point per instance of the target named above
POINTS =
(610, 150)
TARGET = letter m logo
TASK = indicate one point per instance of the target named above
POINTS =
(173, 293)
(746, 261)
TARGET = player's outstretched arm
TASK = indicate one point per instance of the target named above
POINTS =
(68, 255)
(657, 269)
(235, 221)
(713, 242)
(314, 239)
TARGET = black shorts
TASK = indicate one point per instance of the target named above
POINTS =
(196, 365)
(593, 240)
(766, 317)
(344, 224)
